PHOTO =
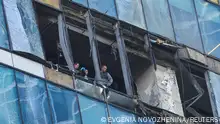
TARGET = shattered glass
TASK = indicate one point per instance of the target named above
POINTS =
(69, 112)
(118, 113)
(104, 6)
(82, 2)
(92, 110)
(131, 12)
(3, 30)
(9, 111)
(209, 22)
(158, 18)
(185, 23)
(22, 25)
(33, 99)
(215, 84)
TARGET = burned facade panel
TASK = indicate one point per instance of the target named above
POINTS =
(159, 88)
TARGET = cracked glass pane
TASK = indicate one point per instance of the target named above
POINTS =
(209, 22)
(92, 110)
(3, 30)
(118, 113)
(69, 112)
(158, 18)
(185, 23)
(104, 6)
(22, 26)
(10, 113)
(215, 84)
(82, 2)
(33, 99)
(131, 12)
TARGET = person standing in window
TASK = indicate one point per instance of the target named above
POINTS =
(76, 67)
(108, 80)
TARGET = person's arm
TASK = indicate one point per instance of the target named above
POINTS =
(110, 79)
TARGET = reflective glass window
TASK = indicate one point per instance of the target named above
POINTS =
(82, 2)
(3, 30)
(185, 23)
(158, 17)
(33, 99)
(215, 83)
(104, 6)
(92, 111)
(118, 113)
(209, 22)
(131, 11)
(9, 111)
(64, 105)
(24, 33)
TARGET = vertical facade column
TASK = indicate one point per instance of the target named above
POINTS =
(64, 42)
(124, 61)
(93, 46)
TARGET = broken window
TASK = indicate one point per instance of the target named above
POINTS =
(194, 91)
(104, 6)
(24, 33)
(52, 3)
(185, 23)
(158, 18)
(131, 11)
(4, 42)
(209, 22)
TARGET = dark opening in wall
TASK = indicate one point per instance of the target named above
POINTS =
(192, 86)
(48, 26)
(109, 56)
(81, 51)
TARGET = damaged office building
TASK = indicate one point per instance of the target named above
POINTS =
(163, 57)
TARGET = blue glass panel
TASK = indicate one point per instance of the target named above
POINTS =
(158, 17)
(124, 117)
(69, 112)
(131, 11)
(33, 99)
(3, 30)
(104, 6)
(92, 111)
(215, 83)
(9, 111)
(185, 23)
(209, 22)
(82, 2)
(22, 26)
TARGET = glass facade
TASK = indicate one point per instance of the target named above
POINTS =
(209, 22)
(104, 6)
(215, 83)
(24, 33)
(3, 29)
(185, 23)
(158, 17)
(82, 2)
(33, 99)
(69, 112)
(9, 111)
(131, 12)
(92, 110)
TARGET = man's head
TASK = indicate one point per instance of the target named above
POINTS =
(104, 68)
(76, 66)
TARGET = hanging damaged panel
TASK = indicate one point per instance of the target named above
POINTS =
(159, 88)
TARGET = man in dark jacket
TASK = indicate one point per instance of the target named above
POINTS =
(106, 76)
